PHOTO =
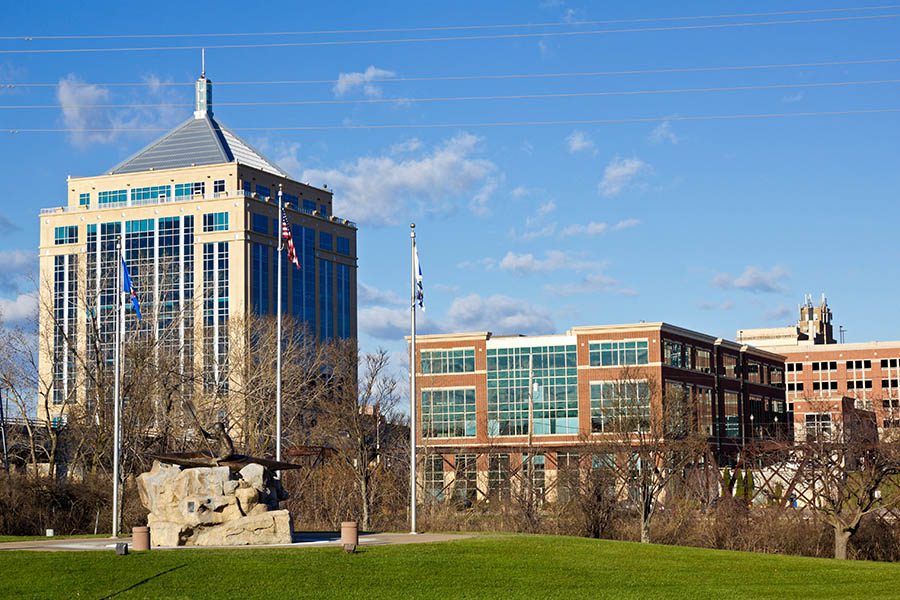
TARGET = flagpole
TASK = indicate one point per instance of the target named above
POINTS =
(412, 382)
(278, 325)
(120, 309)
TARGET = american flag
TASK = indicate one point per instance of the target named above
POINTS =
(289, 239)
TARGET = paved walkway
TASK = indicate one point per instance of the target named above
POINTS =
(301, 540)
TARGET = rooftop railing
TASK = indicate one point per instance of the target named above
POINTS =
(208, 196)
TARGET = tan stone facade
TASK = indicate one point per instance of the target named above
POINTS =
(176, 223)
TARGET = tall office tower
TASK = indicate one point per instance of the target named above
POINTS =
(197, 211)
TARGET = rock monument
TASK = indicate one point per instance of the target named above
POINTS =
(215, 498)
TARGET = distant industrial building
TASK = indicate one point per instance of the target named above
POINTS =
(822, 372)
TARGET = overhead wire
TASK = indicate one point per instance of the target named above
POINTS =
(491, 124)
(413, 100)
(857, 18)
(569, 23)
(477, 77)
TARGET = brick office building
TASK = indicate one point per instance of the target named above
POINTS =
(477, 419)
(821, 373)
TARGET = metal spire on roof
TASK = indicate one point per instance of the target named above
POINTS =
(203, 92)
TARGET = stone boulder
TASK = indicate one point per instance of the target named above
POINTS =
(210, 506)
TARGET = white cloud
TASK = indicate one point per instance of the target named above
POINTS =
(626, 224)
(287, 156)
(754, 279)
(578, 141)
(369, 295)
(592, 228)
(554, 260)
(499, 314)
(21, 308)
(379, 190)
(795, 97)
(485, 263)
(597, 227)
(16, 267)
(383, 322)
(82, 108)
(348, 82)
(536, 225)
(663, 133)
(410, 145)
(620, 173)
(712, 306)
(546, 208)
(519, 192)
(778, 313)
(591, 283)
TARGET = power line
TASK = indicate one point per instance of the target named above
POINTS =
(494, 124)
(737, 88)
(486, 76)
(505, 36)
(30, 38)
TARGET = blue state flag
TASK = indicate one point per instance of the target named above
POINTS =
(128, 288)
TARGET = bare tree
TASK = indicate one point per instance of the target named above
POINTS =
(845, 479)
(355, 416)
(652, 438)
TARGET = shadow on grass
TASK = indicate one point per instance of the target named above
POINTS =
(143, 581)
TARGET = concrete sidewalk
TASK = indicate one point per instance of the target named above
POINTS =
(301, 540)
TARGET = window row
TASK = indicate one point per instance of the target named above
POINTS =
(685, 356)
(619, 353)
(448, 413)
(215, 222)
(67, 234)
(460, 360)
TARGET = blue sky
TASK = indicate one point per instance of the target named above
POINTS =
(713, 225)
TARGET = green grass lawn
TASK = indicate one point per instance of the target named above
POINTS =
(505, 567)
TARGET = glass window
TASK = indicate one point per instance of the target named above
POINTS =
(263, 191)
(616, 353)
(554, 390)
(323, 208)
(729, 363)
(326, 299)
(459, 360)
(434, 478)
(465, 486)
(84, 199)
(326, 241)
(215, 221)
(259, 224)
(818, 425)
(498, 476)
(309, 205)
(620, 406)
(343, 245)
(189, 190)
(219, 186)
(67, 234)
(704, 404)
(704, 361)
(112, 197)
(732, 423)
(150, 194)
(259, 285)
(448, 413)
(673, 353)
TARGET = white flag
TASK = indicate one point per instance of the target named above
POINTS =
(420, 291)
